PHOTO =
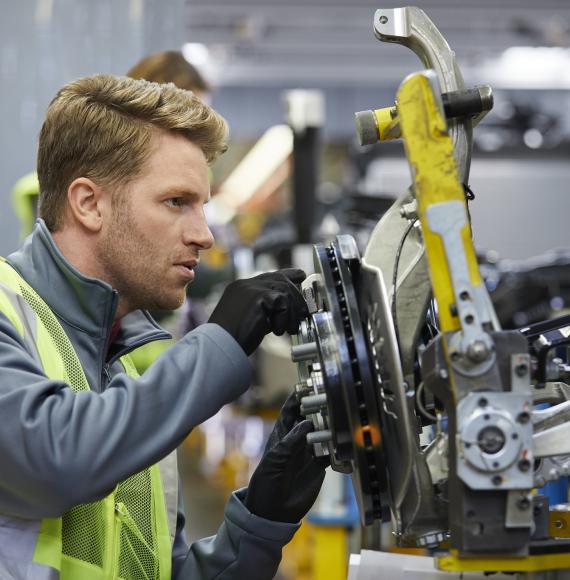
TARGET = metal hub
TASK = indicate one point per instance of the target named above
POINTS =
(344, 406)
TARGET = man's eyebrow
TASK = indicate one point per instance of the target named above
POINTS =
(186, 193)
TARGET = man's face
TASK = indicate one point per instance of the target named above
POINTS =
(151, 242)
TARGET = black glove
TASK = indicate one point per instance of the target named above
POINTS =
(249, 309)
(288, 478)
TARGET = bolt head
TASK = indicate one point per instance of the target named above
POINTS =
(477, 351)
(523, 503)
(524, 465)
(521, 369)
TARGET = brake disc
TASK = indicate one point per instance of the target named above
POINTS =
(336, 387)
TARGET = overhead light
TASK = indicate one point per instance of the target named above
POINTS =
(196, 53)
(528, 67)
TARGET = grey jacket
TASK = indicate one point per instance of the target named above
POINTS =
(60, 448)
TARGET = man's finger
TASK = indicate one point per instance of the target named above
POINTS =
(296, 275)
(297, 437)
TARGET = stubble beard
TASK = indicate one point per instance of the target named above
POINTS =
(134, 266)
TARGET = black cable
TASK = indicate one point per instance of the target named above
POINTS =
(395, 277)
(421, 408)
(469, 195)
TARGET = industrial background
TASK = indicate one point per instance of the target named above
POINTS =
(253, 53)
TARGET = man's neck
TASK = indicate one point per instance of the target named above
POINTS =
(81, 254)
(78, 252)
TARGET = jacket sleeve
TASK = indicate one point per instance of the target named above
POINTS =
(61, 448)
(246, 546)
(180, 546)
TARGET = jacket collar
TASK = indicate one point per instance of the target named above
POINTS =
(88, 304)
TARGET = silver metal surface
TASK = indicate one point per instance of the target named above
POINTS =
(448, 220)
(552, 392)
(301, 352)
(519, 509)
(413, 504)
(551, 469)
(436, 454)
(347, 247)
(412, 286)
(545, 418)
(311, 383)
(377, 318)
(309, 292)
(509, 466)
(553, 441)
(313, 403)
(366, 127)
(486, 94)
(520, 373)
(323, 436)
(411, 27)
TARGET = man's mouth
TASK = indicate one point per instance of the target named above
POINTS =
(187, 268)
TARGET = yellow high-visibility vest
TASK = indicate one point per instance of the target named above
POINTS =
(127, 535)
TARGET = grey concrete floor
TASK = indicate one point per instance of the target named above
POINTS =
(203, 502)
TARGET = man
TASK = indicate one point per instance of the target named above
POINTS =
(88, 487)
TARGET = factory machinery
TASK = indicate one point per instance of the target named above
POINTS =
(403, 341)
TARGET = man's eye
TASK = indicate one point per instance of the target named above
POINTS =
(174, 201)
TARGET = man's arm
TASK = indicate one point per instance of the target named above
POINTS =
(61, 448)
(261, 519)
(245, 546)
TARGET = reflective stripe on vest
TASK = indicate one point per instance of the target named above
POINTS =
(128, 535)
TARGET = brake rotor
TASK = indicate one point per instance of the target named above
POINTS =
(336, 388)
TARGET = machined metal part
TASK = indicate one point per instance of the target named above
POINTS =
(416, 513)
(345, 411)
(411, 27)
(383, 125)
(311, 384)
(474, 103)
(495, 441)
(448, 220)
(549, 469)
(412, 288)
(542, 338)
(552, 441)
(437, 458)
(477, 517)
(552, 392)
(520, 373)
(431, 540)
(546, 418)
(541, 518)
(519, 509)
(559, 521)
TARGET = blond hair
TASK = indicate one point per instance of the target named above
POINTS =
(100, 127)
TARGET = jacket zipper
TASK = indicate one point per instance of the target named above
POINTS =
(116, 540)
(107, 376)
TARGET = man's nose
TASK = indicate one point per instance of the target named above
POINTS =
(198, 233)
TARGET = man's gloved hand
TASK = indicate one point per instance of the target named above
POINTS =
(288, 478)
(251, 308)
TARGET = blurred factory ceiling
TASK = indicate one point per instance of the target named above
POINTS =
(331, 43)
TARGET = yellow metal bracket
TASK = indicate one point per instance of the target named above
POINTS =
(453, 563)
(430, 152)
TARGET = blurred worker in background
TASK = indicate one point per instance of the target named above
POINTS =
(89, 477)
(170, 66)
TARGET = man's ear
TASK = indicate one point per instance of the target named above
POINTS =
(87, 202)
